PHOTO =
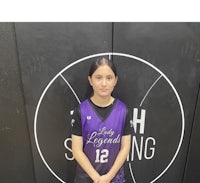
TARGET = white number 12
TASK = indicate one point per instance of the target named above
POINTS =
(102, 156)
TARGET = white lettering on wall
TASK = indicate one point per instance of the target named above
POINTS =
(67, 145)
(141, 147)
(145, 148)
(138, 121)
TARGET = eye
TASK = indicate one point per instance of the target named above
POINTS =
(109, 77)
(98, 77)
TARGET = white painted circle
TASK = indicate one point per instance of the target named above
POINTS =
(115, 54)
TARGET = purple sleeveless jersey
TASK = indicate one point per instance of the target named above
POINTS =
(101, 140)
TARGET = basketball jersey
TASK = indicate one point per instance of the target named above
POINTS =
(101, 139)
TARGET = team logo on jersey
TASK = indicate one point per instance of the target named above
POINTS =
(89, 117)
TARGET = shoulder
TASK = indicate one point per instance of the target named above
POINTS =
(84, 106)
(120, 103)
(84, 102)
(121, 106)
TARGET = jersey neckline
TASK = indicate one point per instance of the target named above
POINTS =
(111, 106)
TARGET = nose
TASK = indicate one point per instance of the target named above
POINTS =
(104, 82)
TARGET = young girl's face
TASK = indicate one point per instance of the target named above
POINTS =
(103, 81)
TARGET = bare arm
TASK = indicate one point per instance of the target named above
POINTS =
(81, 158)
(120, 159)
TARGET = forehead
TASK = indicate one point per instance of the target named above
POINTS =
(103, 70)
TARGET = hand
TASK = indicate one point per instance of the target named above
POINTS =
(95, 180)
(103, 179)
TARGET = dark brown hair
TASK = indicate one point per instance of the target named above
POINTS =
(102, 61)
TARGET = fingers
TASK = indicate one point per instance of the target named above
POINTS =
(103, 179)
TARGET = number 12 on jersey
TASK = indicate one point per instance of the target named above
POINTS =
(102, 155)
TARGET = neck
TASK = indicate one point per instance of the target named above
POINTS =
(102, 101)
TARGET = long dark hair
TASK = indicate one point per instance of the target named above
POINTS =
(103, 60)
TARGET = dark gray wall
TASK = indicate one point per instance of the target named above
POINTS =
(15, 154)
(192, 166)
(31, 56)
(174, 49)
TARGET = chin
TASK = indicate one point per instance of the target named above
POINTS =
(104, 95)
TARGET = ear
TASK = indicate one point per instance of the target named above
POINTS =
(90, 80)
(116, 79)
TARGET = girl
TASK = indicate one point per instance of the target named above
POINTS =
(100, 130)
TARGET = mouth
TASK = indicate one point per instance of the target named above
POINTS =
(103, 90)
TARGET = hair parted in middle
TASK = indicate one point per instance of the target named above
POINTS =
(103, 60)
